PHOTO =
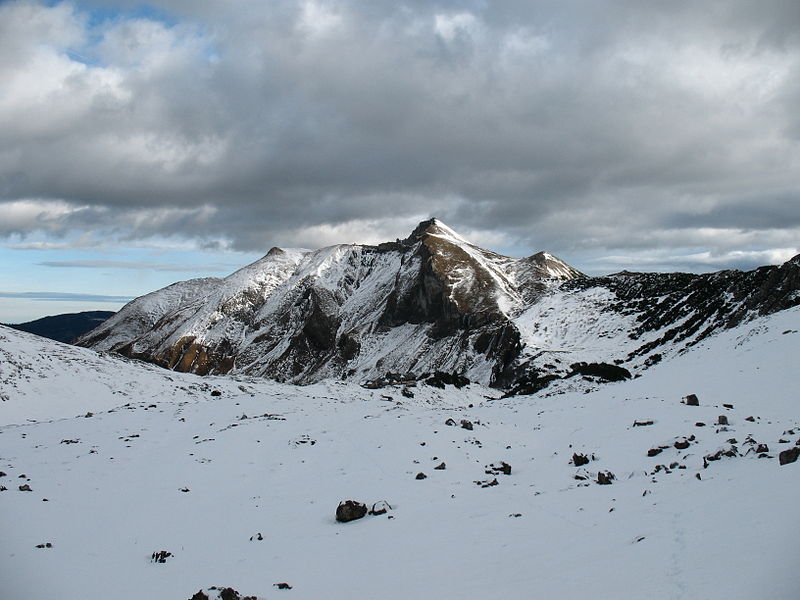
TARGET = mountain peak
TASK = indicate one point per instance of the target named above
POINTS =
(434, 226)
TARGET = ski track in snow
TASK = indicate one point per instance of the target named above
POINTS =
(276, 459)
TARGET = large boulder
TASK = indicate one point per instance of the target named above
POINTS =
(789, 456)
(350, 510)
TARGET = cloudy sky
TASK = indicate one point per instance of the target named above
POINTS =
(141, 144)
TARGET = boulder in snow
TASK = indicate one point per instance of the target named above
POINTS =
(380, 508)
(789, 456)
(350, 510)
(605, 477)
(580, 459)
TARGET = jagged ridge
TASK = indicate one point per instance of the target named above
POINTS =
(432, 301)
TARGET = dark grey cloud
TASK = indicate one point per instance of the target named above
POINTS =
(619, 128)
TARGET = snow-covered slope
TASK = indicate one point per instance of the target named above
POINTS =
(241, 487)
(42, 379)
(638, 319)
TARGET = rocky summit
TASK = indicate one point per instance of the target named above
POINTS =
(434, 302)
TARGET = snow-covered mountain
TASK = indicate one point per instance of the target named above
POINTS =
(627, 491)
(434, 302)
(430, 302)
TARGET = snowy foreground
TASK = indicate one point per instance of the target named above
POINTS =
(161, 464)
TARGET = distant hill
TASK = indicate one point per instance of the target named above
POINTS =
(66, 327)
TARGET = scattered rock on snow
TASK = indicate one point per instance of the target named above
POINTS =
(160, 556)
(603, 371)
(282, 586)
(494, 469)
(350, 510)
(216, 593)
(642, 423)
(421, 475)
(440, 467)
(722, 420)
(440, 379)
(25, 488)
(729, 451)
(691, 400)
(681, 444)
(305, 439)
(580, 459)
(465, 424)
(654, 452)
(789, 456)
(487, 483)
(605, 477)
(380, 508)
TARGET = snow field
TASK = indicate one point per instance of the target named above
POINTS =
(113, 482)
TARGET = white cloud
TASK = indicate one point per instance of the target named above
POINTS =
(318, 18)
(26, 215)
(451, 26)
(693, 261)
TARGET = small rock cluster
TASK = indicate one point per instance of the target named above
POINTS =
(160, 556)
(224, 593)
